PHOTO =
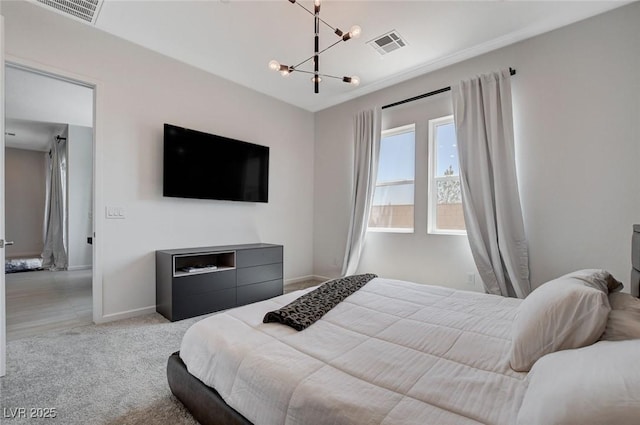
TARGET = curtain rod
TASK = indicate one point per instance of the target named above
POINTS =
(58, 139)
(431, 93)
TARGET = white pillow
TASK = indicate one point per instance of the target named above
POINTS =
(624, 319)
(561, 314)
(595, 385)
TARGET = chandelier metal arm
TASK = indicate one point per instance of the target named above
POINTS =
(319, 53)
(320, 75)
(321, 20)
(327, 48)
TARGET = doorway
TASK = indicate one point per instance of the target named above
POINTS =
(49, 139)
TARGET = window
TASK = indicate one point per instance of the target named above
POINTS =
(392, 208)
(445, 198)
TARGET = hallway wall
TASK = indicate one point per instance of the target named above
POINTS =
(80, 180)
(24, 201)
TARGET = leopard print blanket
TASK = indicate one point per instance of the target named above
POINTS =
(304, 311)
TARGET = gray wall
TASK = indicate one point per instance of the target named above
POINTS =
(80, 189)
(576, 101)
(24, 201)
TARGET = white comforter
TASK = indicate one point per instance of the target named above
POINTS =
(392, 353)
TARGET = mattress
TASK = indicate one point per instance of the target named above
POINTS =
(394, 352)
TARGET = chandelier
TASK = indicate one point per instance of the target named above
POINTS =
(285, 70)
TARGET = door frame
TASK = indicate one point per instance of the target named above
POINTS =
(98, 202)
(3, 309)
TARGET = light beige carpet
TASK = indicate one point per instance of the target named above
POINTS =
(97, 374)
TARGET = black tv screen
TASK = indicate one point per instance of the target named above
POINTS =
(205, 166)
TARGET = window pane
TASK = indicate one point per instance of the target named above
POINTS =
(445, 197)
(449, 213)
(393, 207)
(397, 155)
(393, 197)
(450, 217)
(447, 151)
(449, 191)
(397, 194)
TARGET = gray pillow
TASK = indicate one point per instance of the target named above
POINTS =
(623, 321)
(599, 279)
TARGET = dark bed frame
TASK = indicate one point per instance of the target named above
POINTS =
(208, 408)
(204, 403)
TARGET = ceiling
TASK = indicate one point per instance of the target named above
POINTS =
(236, 39)
(38, 108)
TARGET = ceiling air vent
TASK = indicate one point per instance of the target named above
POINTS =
(84, 10)
(387, 43)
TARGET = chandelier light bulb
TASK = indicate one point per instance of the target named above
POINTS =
(355, 80)
(274, 65)
(316, 3)
(285, 72)
(355, 31)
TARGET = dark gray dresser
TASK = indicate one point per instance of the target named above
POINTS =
(192, 282)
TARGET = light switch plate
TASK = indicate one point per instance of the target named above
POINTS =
(115, 212)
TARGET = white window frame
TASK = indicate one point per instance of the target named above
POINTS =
(387, 133)
(432, 195)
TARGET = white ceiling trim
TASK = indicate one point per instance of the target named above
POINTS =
(474, 28)
(431, 66)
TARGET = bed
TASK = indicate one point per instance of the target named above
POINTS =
(397, 352)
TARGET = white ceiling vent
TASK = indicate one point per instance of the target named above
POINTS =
(387, 43)
(84, 10)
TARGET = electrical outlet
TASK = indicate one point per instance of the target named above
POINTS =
(471, 279)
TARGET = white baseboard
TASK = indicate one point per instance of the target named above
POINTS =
(127, 314)
(75, 268)
(295, 280)
(322, 278)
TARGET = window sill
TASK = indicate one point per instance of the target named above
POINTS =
(389, 230)
(448, 232)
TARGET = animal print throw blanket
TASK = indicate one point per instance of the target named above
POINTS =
(304, 311)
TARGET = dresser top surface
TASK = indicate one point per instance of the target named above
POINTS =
(217, 248)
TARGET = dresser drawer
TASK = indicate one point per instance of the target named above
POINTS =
(199, 304)
(249, 275)
(204, 282)
(258, 291)
(258, 256)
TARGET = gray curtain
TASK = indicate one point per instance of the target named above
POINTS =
(490, 196)
(54, 254)
(367, 129)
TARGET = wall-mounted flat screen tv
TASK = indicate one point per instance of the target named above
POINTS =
(205, 166)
